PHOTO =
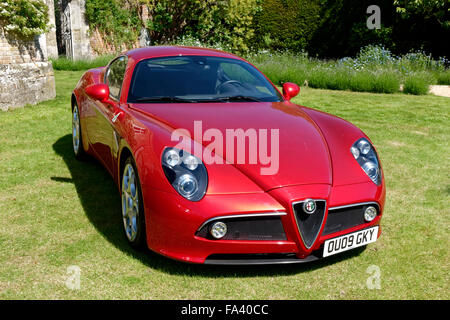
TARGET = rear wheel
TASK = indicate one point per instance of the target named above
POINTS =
(132, 206)
(77, 141)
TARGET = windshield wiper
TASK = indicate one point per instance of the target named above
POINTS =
(238, 98)
(183, 100)
(164, 99)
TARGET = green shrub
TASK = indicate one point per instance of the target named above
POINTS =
(117, 21)
(228, 22)
(361, 82)
(443, 77)
(385, 82)
(329, 78)
(63, 63)
(340, 29)
(287, 24)
(420, 61)
(335, 29)
(345, 74)
(417, 83)
(374, 69)
(282, 67)
(318, 78)
(374, 56)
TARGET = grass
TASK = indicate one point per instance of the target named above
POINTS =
(374, 69)
(443, 78)
(63, 63)
(57, 212)
(380, 82)
(285, 67)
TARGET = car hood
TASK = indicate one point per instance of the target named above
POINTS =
(302, 156)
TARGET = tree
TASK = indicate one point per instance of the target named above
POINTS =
(211, 21)
(429, 9)
(24, 18)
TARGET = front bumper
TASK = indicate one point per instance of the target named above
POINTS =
(173, 223)
(259, 259)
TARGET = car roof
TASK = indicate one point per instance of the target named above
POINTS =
(165, 51)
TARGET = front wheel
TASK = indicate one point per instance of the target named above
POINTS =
(132, 206)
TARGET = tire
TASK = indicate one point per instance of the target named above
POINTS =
(77, 138)
(133, 216)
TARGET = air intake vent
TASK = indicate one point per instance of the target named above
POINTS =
(345, 217)
(309, 224)
(248, 228)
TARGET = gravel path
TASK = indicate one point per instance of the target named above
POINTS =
(439, 90)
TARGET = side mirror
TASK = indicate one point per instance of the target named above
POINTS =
(290, 90)
(98, 91)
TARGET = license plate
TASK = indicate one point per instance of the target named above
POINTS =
(350, 241)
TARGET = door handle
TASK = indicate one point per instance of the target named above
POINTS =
(116, 116)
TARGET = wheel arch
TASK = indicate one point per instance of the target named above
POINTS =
(73, 101)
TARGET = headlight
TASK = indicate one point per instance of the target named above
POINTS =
(185, 172)
(365, 155)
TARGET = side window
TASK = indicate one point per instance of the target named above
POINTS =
(236, 72)
(114, 76)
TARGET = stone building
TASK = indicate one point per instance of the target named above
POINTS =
(77, 41)
(26, 75)
(72, 30)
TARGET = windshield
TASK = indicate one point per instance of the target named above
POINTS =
(199, 79)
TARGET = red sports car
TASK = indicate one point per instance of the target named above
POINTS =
(214, 165)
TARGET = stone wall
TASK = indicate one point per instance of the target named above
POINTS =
(17, 51)
(100, 47)
(25, 83)
(26, 76)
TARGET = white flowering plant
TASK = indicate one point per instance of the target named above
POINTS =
(24, 18)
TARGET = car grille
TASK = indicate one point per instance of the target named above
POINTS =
(309, 225)
(250, 228)
(342, 218)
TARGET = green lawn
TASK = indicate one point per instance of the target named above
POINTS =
(56, 212)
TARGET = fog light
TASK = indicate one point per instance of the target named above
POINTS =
(218, 230)
(370, 214)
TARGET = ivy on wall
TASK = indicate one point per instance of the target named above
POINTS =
(118, 21)
(24, 19)
(211, 21)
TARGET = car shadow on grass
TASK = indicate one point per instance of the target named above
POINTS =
(101, 202)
